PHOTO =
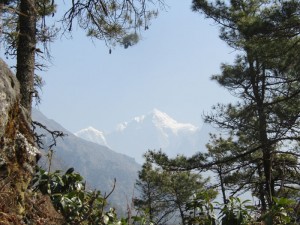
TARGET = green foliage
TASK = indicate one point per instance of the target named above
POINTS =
(263, 126)
(77, 205)
(260, 153)
(69, 196)
(237, 212)
(283, 211)
(115, 22)
(195, 202)
(150, 203)
(129, 40)
(200, 210)
(167, 193)
(10, 30)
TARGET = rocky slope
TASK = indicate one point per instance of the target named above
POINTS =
(18, 156)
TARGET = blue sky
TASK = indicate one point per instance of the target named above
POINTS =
(169, 70)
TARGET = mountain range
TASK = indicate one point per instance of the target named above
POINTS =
(102, 157)
(155, 131)
(98, 164)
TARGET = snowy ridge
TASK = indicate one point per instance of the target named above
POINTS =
(93, 135)
(161, 120)
(154, 130)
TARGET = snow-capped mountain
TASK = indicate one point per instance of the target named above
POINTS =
(98, 164)
(155, 130)
(161, 121)
(93, 135)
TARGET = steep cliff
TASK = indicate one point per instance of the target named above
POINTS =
(18, 157)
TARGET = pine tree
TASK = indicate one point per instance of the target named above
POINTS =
(169, 194)
(263, 125)
(265, 77)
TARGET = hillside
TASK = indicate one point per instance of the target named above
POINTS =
(98, 164)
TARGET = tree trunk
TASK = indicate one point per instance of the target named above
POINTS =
(261, 191)
(223, 190)
(26, 52)
(181, 214)
(258, 86)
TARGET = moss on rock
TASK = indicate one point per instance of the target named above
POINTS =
(18, 155)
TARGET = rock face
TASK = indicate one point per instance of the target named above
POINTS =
(18, 154)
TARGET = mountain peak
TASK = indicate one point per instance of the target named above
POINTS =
(160, 120)
(154, 130)
(90, 128)
(163, 120)
(161, 115)
(157, 111)
(92, 134)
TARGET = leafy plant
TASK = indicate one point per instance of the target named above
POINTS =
(201, 209)
(78, 205)
(281, 212)
(69, 196)
(237, 212)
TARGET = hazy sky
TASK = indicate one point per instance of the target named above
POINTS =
(169, 70)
